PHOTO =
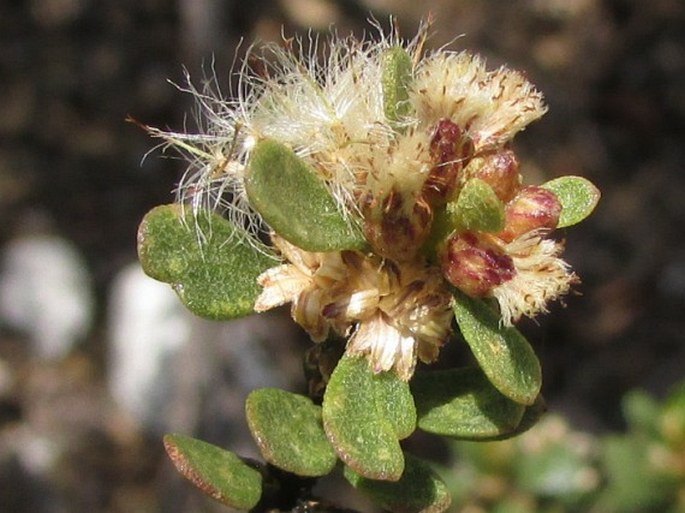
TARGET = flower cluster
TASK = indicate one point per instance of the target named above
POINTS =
(397, 135)
(398, 313)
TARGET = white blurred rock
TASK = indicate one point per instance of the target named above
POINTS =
(172, 371)
(147, 328)
(46, 293)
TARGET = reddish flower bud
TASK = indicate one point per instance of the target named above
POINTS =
(395, 229)
(451, 149)
(475, 265)
(500, 171)
(532, 208)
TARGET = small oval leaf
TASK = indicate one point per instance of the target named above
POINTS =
(218, 473)
(215, 278)
(462, 403)
(503, 353)
(288, 431)
(358, 422)
(419, 490)
(478, 208)
(577, 195)
(295, 202)
(396, 79)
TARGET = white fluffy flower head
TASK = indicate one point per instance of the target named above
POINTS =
(394, 133)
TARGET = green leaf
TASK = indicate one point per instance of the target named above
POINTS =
(419, 490)
(215, 278)
(555, 470)
(364, 416)
(577, 195)
(504, 354)
(395, 403)
(478, 208)
(295, 202)
(218, 473)
(396, 79)
(672, 421)
(462, 403)
(632, 485)
(287, 428)
(531, 416)
(641, 412)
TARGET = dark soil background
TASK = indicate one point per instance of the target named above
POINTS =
(613, 73)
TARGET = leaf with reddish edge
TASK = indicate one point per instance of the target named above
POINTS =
(218, 473)
(287, 428)
(365, 414)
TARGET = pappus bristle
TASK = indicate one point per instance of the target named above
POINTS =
(492, 106)
(215, 157)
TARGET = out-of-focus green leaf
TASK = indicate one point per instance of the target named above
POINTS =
(641, 411)
(577, 195)
(478, 208)
(287, 428)
(632, 485)
(462, 403)
(556, 470)
(364, 416)
(396, 79)
(215, 278)
(419, 490)
(503, 353)
(218, 473)
(513, 505)
(295, 202)
(673, 419)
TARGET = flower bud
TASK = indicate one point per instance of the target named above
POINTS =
(475, 265)
(532, 208)
(394, 227)
(450, 149)
(499, 170)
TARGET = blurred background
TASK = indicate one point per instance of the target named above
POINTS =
(96, 362)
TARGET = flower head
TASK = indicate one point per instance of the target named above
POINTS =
(394, 314)
(395, 135)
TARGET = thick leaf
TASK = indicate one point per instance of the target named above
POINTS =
(295, 202)
(419, 490)
(577, 195)
(218, 473)
(287, 428)
(364, 415)
(396, 79)
(396, 403)
(504, 354)
(478, 208)
(215, 278)
(462, 403)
